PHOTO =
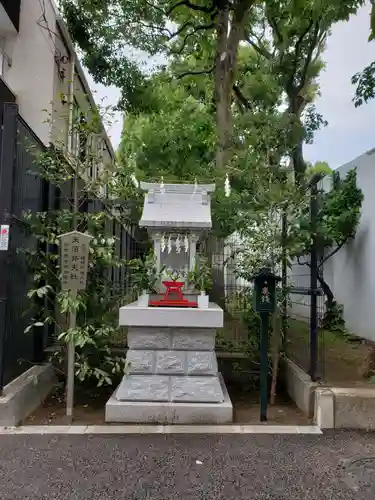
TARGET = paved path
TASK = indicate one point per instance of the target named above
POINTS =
(163, 467)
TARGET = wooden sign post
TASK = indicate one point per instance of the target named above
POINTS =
(74, 265)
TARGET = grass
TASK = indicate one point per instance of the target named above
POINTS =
(341, 360)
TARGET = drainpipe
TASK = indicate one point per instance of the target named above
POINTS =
(71, 102)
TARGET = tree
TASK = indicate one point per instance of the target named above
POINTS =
(176, 138)
(339, 212)
(103, 29)
(365, 79)
(299, 30)
(211, 32)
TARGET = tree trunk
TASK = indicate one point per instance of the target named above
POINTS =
(296, 106)
(229, 33)
(275, 352)
(223, 115)
(326, 290)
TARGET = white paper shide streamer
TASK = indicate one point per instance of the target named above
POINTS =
(134, 180)
(178, 244)
(169, 245)
(186, 243)
(162, 243)
(227, 186)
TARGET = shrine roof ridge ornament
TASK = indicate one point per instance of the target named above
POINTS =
(177, 205)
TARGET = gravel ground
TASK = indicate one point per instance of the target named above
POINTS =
(334, 466)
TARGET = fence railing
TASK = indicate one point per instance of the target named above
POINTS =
(302, 303)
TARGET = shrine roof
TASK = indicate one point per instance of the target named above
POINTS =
(177, 205)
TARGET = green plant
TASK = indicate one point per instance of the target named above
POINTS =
(174, 274)
(144, 273)
(201, 276)
(96, 307)
(333, 318)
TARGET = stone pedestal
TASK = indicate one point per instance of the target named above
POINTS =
(172, 374)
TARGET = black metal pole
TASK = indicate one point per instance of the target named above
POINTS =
(284, 278)
(8, 152)
(264, 316)
(313, 284)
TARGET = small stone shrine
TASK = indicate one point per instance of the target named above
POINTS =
(172, 374)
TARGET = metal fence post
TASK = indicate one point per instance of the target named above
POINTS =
(313, 283)
(284, 278)
(8, 145)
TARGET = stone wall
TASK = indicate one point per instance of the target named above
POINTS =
(171, 364)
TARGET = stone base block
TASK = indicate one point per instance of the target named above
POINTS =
(143, 412)
(134, 315)
(299, 386)
(25, 393)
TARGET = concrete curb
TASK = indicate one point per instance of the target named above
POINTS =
(160, 429)
(25, 393)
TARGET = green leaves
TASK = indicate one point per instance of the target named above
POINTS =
(39, 292)
(365, 82)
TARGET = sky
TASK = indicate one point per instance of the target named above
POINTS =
(350, 131)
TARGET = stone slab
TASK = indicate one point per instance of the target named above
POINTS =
(149, 338)
(170, 413)
(140, 362)
(196, 389)
(201, 363)
(194, 339)
(354, 408)
(135, 315)
(144, 388)
(170, 362)
(324, 412)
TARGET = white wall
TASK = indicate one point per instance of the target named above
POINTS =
(34, 78)
(351, 272)
(31, 76)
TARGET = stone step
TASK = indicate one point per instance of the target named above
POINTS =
(162, 388)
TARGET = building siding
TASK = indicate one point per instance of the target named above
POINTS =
(351, 272)
(32, 72)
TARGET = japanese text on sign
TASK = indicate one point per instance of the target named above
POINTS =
(74, 260)
(4, 237)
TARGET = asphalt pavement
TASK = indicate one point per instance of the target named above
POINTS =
(332, 466)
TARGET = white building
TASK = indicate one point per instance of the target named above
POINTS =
(351, 272)
(39, 66)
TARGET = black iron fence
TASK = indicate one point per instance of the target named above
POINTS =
(302, 311)
(22, 190)
(301, 301)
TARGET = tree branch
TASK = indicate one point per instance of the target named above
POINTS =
(241, 98)
(154, 6)
(332, 253)
(262, 51)
(187, 3)
(180, 30)
(194, 73)
(237, 24)
(201, 27)
(309, 56)
(297, 52)
(163, 30)
(274, 27)
(302, 263)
